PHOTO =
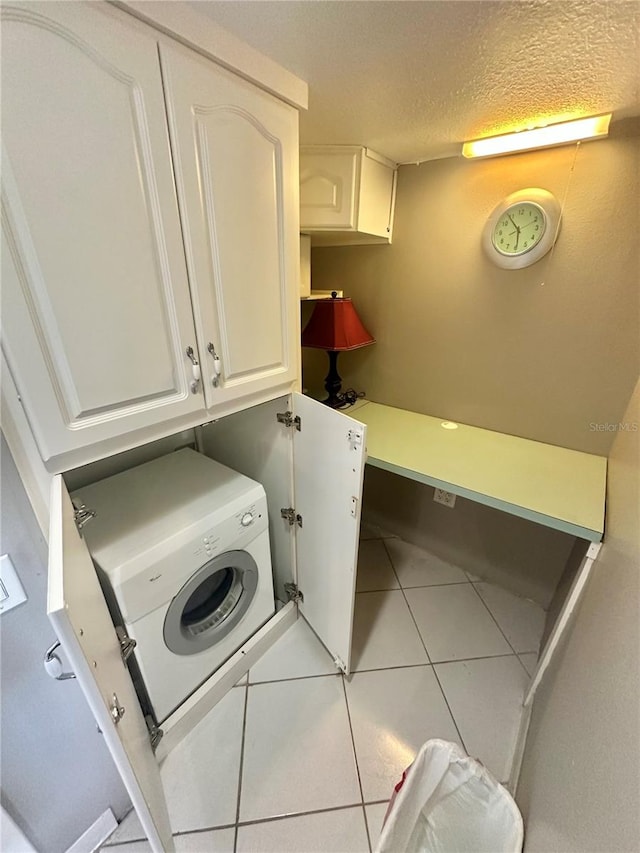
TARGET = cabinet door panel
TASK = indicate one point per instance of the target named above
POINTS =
(81, 620)
(328, 190)
(235, 150)
(329, 457)
(98, 312)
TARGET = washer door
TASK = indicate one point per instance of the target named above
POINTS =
(211, 603)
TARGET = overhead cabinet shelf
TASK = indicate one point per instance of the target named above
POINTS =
(347, 195)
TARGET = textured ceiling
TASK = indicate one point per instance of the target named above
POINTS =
(414, 79)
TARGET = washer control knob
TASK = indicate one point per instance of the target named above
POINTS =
(246, 519)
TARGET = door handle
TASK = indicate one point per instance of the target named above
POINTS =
(195, 370)
(53, 664)
(217, 365)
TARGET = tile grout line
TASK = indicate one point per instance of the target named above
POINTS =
(449, 583)
(275, 818)
(515, 651)
(488, 609)
(272, 819)
(296, 678)
(386, 668)
(241, 768)
(519, 656)
(437, 662)
(355, 758)
(444, 696)
(204, 829)
(393, 568)
(416, 586)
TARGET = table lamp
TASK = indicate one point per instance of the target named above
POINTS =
(335, 326)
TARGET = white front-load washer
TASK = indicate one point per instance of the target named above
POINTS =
(181, 545)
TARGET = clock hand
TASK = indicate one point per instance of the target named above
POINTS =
(517, 230)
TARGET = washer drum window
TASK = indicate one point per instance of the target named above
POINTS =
(211, 603)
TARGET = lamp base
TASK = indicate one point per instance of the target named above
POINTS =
(342, 401)
(333, 383)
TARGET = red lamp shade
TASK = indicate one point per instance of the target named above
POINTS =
(335, 326)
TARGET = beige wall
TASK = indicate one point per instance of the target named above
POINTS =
(580, 784)
(541, 352)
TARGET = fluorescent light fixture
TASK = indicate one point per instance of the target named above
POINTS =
(539, 137)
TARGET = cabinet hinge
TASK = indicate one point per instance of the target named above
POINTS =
(293, 592)
(127, 643)
(290, 515)
(116, 710)
(81, 515)
(155, 733)
(354, 437)
(340, 664)
(289, 420)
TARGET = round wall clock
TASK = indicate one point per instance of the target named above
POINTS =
(522, 228)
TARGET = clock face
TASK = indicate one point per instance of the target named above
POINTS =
(519, 229)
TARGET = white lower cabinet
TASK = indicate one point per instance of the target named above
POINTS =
(311, 459)
(111, 336)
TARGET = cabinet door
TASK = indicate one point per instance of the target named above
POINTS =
(77, 610)
(235, 150)
(329, 457)
(97, 315)
(329, 185)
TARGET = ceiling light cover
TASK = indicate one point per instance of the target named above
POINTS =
(540, 137)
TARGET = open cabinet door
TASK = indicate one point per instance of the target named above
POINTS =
(329, 457)
(81, 620)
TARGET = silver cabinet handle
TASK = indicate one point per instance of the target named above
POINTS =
(217, 365)
(195, 370)
(53, 664)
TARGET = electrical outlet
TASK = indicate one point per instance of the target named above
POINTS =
(446, 498)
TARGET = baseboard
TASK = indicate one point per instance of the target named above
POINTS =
(518, 750)
(96, 835)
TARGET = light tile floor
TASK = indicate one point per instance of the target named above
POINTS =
(298, 759)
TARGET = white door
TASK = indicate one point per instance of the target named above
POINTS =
(96, 309)
(80, 618)
(235, 150)
(329, 458)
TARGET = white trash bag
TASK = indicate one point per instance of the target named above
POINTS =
(448, 802)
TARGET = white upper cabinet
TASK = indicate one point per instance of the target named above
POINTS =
(96, 315)
(235, 151)
(347, 195)
(119, 307)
